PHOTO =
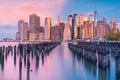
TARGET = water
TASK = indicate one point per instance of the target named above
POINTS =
(59, 64)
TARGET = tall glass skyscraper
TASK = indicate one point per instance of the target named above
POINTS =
(34, 21)
(75, 24)
(70, 21)
(95, 23)
(22, 33)
(47, 28)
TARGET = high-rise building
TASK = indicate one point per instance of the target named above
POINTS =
(81, 19)
(75, 26)
(22, 33)
(55, 33)
(82, 25)
(41, 29)
(62, 26)
(91, 23)
(70, 20)
(86, 18)
(67, 32)
(88, 30)
(91, 19)
(20, 29)
(25, 31)
(47, 28)
(58, 20)
(34, 22)
(112, 22)
(41, 33)
(95, 22)
(113, 25)
(101, 29)
(77, 29)
(18, 36)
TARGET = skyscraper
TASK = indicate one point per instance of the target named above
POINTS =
(101, 29)
(20, 29)
(112, 20)
(72, 29)
(47, 28)
(62, 26)
(91, 19)
(41, 33)
(88, 30)
(95, 23)
(58, 20)
(55, 33)
(81, 19)
(91, 22)
(82, 26)
(75, 26)
(34, 22)
(67, 32)
(22, 33)
(18, 36)
(25, 31)
(70, 20)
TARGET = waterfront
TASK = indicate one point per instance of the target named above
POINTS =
(59, 64)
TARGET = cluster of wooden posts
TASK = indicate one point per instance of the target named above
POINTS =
(98, 53)
(117, 61)
(25, 50)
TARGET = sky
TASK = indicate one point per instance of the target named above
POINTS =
(11, 11)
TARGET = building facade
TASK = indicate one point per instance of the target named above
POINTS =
(67, 32)
(55, 33)
(101, 29)
(58, 20)
(62, 26)
(76, 25)
(47, 28)
(95, 23)
(34, 26)
(22, 34)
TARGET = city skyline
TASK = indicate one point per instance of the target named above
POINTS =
(53, 9)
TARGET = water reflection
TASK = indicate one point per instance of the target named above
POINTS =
(58, 64)
(42, 59)
(2, 63)
(25, 60)
(14, 55)
(20, 68)
(117, 62)
(37, 63)
(28, 69)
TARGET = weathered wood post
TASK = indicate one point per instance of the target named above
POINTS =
(15, 55)
(117, 64)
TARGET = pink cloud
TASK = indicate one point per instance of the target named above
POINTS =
(11, 12)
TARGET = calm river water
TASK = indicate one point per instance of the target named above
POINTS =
(59, 64)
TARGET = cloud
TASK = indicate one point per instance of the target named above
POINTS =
(11, 12)
(7, 31)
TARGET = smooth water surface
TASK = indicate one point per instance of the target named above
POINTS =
(59, 64)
